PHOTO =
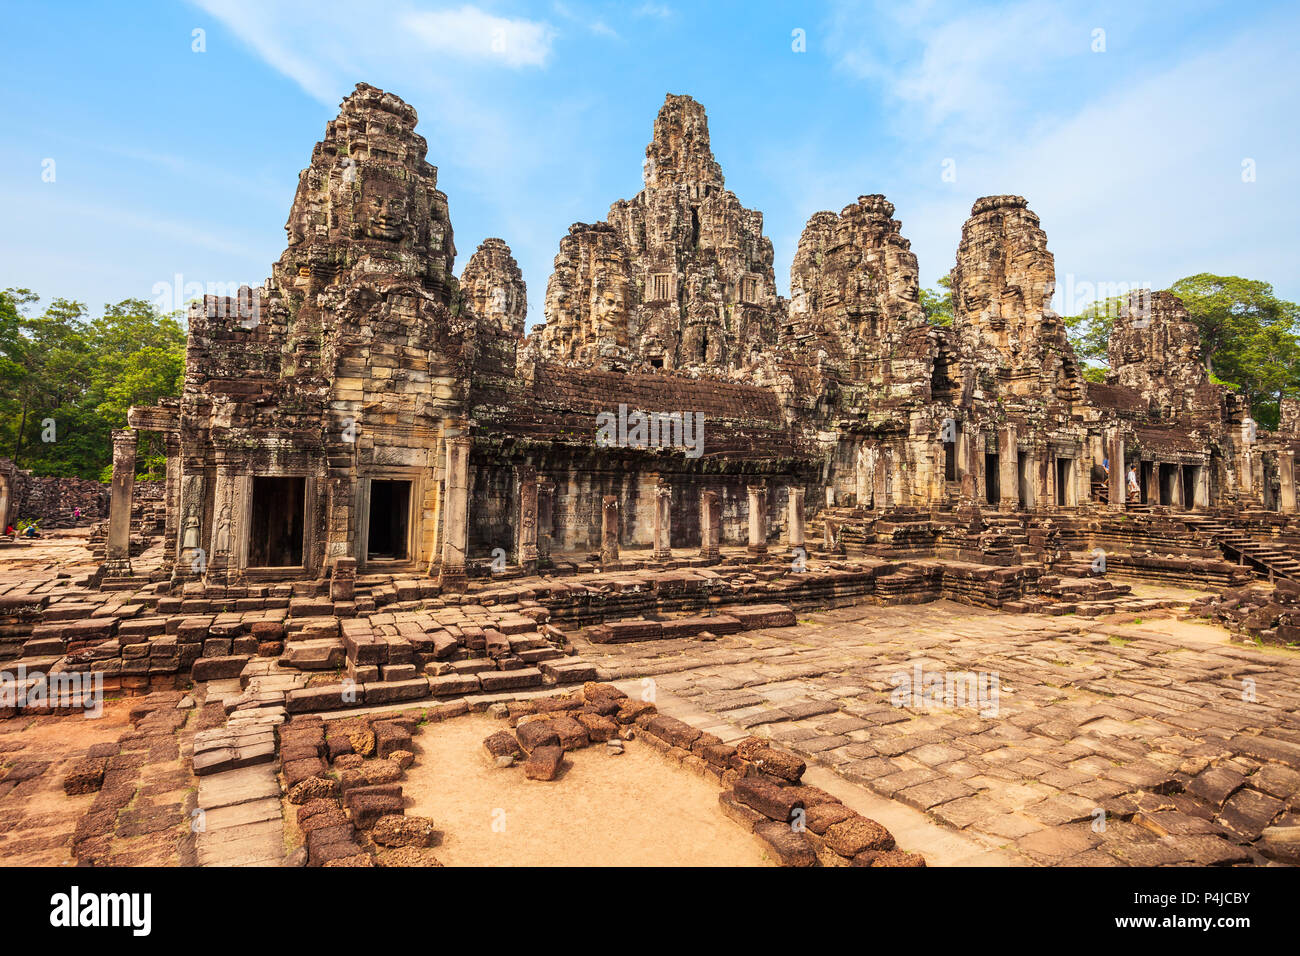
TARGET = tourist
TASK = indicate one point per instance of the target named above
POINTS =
(1133, 489)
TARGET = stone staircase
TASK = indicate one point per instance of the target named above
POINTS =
(1266, 557)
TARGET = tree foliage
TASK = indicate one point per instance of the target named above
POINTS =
(1250, 338)
(938, 305)
(67, 379)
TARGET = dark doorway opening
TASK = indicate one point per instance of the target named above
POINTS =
(1144, 481)
(1189, 486)
(1064, 476)
(1022, 479)
(992, 479)
(390, 510)
(950, 461)
(275, 532)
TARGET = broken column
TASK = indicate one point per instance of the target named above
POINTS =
(663, 522)
(455, 522)
(757, 519)
(343, 580)
(710, 525)
(609, 530)
(117, 555)
(526, 544)
(795, 519)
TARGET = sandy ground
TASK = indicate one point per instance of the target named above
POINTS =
(635, 810)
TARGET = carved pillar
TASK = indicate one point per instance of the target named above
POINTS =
(526, 545)
(1286, 475)
(6, 499)
(830, 496)
(710, 525)
(795, 518)
(221, 561)
(455, 516)
(1118, 473)
(757, 519)
(866, 475)
(663, 522)
(1246, 465)
(117, 554)
(545, 519)
(191, 559)
(609, 530)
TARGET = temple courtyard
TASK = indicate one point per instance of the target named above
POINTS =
(1124, 738)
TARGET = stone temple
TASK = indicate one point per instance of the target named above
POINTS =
(365, 410)
(380, 489)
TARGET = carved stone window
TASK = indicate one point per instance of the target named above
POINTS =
(748, 289)
(661, 287)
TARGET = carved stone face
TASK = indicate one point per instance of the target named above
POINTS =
(607, 309)
(384, 207)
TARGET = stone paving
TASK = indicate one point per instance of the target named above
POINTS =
(1144, 724)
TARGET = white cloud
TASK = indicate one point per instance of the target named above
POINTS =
(657, 10)
(469, 32)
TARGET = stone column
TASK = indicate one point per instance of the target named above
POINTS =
(117, 554)
(6, 498)
(189, 561)
(526, 536)
(830, 496)
(663, 522)
(1246, 466)
(172, 499)
(866, 475)
(609, 530)
(1009, 472)
(1286, 475)
(1118, 472)
(757, 519)
(795, 518)
(710, 525)
(220, 561)
(455, 516)
(545, 518)
(965, 466)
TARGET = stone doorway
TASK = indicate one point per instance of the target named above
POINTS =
(276, 531)
(1191, 476)
(1065, 496)
(388, 537)
(992, 479)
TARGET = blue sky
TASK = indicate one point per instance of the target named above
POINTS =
(169, 162)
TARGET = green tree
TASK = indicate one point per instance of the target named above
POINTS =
(1248, 337)
(937, 306)
(66, 381)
